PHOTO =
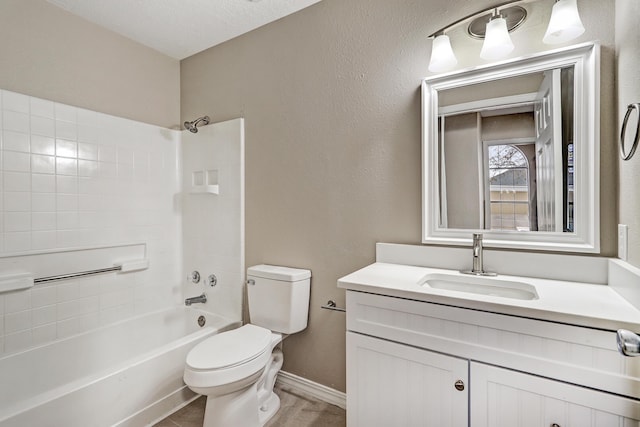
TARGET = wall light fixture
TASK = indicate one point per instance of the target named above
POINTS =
(494, 25)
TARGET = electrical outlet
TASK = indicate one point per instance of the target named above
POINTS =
(623, 241)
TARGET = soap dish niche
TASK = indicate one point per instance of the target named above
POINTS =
(205, 182)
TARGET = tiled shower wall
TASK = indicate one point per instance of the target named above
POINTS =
(73, 178)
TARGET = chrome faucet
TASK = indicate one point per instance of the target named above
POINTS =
(199, 299)
(478, 269)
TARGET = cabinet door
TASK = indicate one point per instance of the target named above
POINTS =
(395, 385)
(501, 398)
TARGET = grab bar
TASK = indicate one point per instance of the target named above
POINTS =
(74, 275)
(124, 267)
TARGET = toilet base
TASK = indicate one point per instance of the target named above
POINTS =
(269, 409)
(252, 405)
(233, 409)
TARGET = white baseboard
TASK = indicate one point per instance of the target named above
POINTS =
(319, 391)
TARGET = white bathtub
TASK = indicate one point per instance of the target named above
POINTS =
(128, 374)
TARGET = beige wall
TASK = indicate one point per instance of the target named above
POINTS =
(628, 55)
(51, 54)
(331, 98)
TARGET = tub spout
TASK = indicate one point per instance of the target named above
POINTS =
(199, 299)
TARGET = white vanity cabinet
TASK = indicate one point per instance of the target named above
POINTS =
(503, 398)
(397, 385)
(405, 358)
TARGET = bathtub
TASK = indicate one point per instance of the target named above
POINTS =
(127, 374)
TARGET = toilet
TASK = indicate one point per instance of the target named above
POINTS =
(237, 369)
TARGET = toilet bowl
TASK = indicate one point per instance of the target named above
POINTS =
(237, 369)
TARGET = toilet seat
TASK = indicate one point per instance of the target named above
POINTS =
(228, 357)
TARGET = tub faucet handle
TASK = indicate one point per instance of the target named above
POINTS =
(194, 277)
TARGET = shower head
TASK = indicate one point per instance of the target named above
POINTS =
(193, 126)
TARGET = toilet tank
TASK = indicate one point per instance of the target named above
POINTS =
(278, 297)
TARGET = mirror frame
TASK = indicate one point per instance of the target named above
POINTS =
(586, 236)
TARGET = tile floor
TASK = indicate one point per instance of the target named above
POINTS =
(296, 410)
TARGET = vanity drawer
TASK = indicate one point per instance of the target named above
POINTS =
(573, 354)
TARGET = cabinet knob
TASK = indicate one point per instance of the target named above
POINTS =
(555, 425)
(459, 385)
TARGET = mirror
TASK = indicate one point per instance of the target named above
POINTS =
(511, 151)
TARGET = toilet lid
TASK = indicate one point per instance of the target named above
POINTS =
(230, 348)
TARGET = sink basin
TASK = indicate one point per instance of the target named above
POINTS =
(480, 286)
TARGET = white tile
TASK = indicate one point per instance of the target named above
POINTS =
(43, 221)
(43, 126)
(112, 299)
(66, 130)
(124, 156)
(66, 166)
(66, 238)
(16, 202)
(88, 322)
(90, 185)
(88, 237)
(87, 151)
(15, 102)
(17, 122)
(44, 334)
(17, 221)
(87, 168)
(66, 148)
(18, 241)
(13, 161)
(89, 219)
(115, 314)
(66, 220)
(68, 327)
(66, 113)
(16, 181)
(42, 108)
(15, 141)
(125, 172)
(41, 183)
(88, 133)
(43, 145)
(43, 164)
(43, 240)
(67, 184)
(66, 310)
(1, 309)
(108, 170)
(16, 322)
(107, 154)
(42, 296)
(43, 315)
(18, 341)
(67, 292)
(17, 301)
(43, 202)
(88, 287)
(67, 202)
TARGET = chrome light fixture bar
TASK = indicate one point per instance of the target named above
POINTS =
(494, 25)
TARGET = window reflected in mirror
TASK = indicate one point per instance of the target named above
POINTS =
(506, 153)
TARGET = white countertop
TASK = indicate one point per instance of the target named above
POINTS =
(584, 304)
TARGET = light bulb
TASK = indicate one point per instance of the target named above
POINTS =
(497, 42)
(442, 56)
(565, 23)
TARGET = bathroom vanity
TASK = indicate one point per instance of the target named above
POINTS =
(434, 347)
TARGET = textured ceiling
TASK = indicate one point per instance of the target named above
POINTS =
(181, 28)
